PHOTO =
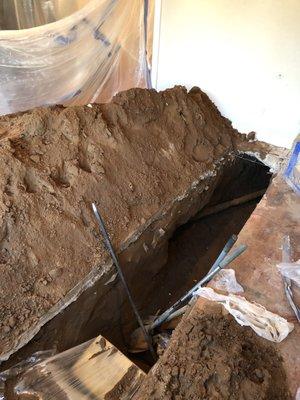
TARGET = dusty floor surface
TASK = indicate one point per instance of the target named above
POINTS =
(132, 156)
(213, 358)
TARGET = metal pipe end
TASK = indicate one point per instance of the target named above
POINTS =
(94, 207)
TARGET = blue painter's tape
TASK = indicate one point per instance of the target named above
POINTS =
(292, 173)
(98, 35)
(68, 39)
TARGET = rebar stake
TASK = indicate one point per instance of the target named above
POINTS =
(120, 272)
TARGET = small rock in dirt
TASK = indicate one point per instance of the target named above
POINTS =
(35, 158)
(12, 321)
(259, 374)
(55, 273)
(6, 329)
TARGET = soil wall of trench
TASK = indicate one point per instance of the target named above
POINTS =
(149, 160)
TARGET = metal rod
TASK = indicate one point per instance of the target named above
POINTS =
(120, 272)
(177, 313)
(227, 260)
(228, 246)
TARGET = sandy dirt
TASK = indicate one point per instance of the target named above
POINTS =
(132, 156)
(212, 358)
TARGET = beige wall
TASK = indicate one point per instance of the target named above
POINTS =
(244, 53)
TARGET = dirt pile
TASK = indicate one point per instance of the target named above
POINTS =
(212, 357)
(134, 156)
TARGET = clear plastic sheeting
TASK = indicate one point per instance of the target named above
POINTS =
(85, 57)
(264, 323)
(93, 370)
(291, 271)
(22, 14)
(225, 280)
(14, 372)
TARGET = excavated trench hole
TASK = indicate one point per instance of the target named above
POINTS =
(191, 251)
(195, 245)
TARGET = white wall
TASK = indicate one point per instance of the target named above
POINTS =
(245, 54)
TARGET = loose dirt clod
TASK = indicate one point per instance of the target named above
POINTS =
(213, 358)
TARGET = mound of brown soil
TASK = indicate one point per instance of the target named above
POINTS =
(134, 156)
(211, 357)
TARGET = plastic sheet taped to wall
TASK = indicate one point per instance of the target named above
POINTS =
(23, 14)
(85, 57)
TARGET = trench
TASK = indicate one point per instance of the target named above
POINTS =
(184, 259)
(195, 245)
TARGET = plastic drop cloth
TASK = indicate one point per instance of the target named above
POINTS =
(225, 280)
(22, 14)
(291, 271)
(85, 57)
(265, 323)
(93, 370)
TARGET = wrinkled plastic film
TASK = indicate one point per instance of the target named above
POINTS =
(264, 323)
(24, 14)
(92, 370)
(86, 57)
(291, 271)
(14, 372)
(225, 280)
